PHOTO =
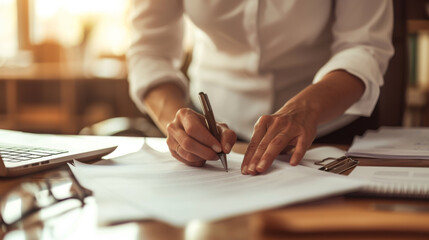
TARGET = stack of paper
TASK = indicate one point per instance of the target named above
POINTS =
(406, 182)
(152, 184)
(392, 143)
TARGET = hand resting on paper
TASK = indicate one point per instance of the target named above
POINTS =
(292, 128)
(294, 124)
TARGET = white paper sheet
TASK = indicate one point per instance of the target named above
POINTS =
(153, 183)
(401, 181)
(392, 143)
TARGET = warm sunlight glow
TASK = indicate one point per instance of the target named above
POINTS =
(48, 8)
(68, 22)
(8, 26)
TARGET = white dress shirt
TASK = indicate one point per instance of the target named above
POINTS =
(251, 56)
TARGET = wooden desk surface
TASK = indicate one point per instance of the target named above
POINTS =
(330, 218)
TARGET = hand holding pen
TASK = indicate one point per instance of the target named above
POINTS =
(211, 125)
(191, 142)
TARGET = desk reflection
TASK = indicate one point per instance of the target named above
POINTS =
(238, 228)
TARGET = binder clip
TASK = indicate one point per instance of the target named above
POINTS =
(338, 165)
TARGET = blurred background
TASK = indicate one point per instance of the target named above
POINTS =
(62, 66)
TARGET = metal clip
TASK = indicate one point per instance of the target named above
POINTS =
(338, 165)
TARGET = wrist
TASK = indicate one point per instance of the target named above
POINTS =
(329, 98)
(163, 102)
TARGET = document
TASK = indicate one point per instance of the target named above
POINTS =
(155, 185)
(410, 182)
(392, 143)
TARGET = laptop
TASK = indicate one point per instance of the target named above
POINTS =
(22, 153)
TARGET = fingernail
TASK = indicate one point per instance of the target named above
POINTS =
(251, 168)
(216, 148)
(228, 147)
(261, 165)
(243, 169)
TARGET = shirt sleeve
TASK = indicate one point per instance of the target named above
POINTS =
(156, 50)
(362, 46)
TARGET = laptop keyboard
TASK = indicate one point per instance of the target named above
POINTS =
(15, 153)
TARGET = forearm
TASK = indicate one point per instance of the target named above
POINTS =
(163, 102)
(330, 97)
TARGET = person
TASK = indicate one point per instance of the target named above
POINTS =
(279, 73)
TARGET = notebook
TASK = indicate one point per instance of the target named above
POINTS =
(22, 153)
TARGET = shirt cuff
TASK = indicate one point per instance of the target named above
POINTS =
(147, 74)
(360, 63)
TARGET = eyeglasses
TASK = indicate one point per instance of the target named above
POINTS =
(28, 199)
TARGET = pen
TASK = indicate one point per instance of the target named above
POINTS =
(211, 124)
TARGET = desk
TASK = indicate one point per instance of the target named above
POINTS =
(331, 218)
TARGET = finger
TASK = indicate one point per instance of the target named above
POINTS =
(190, 149)
(300, 149)
(262, 150)
(262, 146)
(194, 164)
(188, 156)
(228, 137)
(258, 134)
(275, 147)
(195, 126)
